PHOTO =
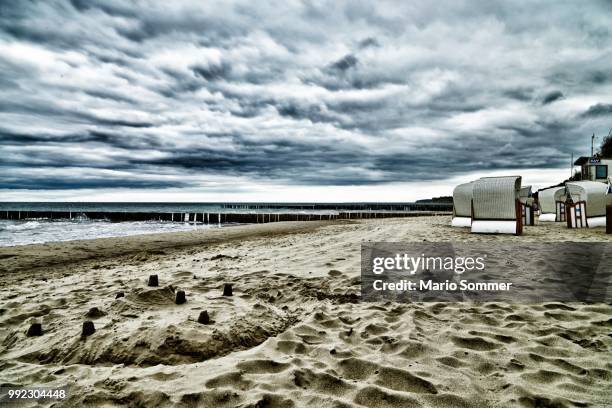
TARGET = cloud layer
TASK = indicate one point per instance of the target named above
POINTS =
(157, 95)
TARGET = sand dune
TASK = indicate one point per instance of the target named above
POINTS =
(294, 332)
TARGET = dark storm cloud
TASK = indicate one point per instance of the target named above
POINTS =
(108, 7)
(212, 72)
(600, 109)
(297, 162)
(63, 182)
(344, 63)
(113, 96)
(312, 112)
(171, 94)
(520, 94)
(368, 42)
(551, 97)
(75, 115)
(92, 138)
(599, 77)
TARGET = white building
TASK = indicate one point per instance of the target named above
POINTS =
(595, 168)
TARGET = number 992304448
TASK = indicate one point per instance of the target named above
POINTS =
(14, 394)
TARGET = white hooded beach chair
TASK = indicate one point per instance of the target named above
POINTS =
(525, 194)
(552, 204)
(462, 205)
(496, 208)
(588, 207)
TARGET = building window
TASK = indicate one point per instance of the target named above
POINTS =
(601, 172)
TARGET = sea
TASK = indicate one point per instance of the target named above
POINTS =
(77, 226)
(23, 223)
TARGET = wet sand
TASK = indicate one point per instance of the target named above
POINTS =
(294, 332)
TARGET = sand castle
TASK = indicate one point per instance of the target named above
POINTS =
(153, 281)
(88, 328)
(180, 297)
(35, 329)
(94, 313)
(203, 318)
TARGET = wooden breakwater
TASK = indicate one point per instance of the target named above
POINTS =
(347, 215)
(344, 207)
(208, 217)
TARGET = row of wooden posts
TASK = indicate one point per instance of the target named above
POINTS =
(210, 218)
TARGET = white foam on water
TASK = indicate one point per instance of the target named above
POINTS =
(26, 232)
(21, 226)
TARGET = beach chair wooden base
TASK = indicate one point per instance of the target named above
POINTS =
(527, 217)
(561, 212)
(576, 215)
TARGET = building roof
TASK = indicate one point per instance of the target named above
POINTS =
(581, 160)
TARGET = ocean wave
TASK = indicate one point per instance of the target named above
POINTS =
(29, 225)
(31, 232)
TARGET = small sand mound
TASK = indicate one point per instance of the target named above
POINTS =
(474, 343)
(402, 380)
(153, 296)
(94, 313)
(321, 382)
(232, 379)
(134, 398)
(146, 255)
(262, 366)
(171, 345)
(222, 256)
(377, 397)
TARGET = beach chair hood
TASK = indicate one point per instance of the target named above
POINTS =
(495, 197)
(592, 192)
(462, 200)
(495, 205)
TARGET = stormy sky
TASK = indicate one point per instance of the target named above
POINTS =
(295, 100)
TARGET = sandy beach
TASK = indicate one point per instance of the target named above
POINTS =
(294, 333)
